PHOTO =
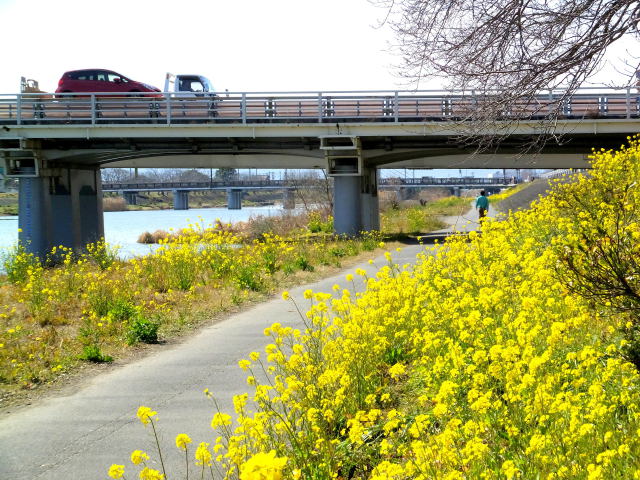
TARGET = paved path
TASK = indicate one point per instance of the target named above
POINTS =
(79, 436)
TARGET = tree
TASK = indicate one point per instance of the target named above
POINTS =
(507, 51)
(226, 174)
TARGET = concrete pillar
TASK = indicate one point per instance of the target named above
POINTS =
(130, 197)
(403, 193)
(346, 205)
(181, 199)
(370, 206)
(455, 191)
(289, 200)
(65, 209)
(355, 205)
(234, 199)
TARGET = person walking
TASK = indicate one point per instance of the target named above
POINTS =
(482, 204)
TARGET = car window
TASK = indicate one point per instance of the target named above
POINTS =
(100, 77)
(114, 77)
(82, 76)
(86, 75)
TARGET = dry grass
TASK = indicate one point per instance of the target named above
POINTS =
(114, 204)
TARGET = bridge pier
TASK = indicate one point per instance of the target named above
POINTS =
(404, 193)
(234, 198)
(60, 207)
(181, 199)
(289, 199)
(130, 197)
(355, 206)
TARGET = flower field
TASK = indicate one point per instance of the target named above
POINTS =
(94, 307)
(510, 354)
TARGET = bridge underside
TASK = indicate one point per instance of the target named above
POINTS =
(392, 152)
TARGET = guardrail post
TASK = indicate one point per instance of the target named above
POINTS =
(396, 106)
(167, 98)
(19, 106)
(243, 108)
(628, 102)
(319, 107)
(93, 109)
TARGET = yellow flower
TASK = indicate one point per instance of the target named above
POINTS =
(308, 294)
(182, 440)
(138, 456)
(150, 474)
(145, 414)
(220, 419)
(285, 295)
(397, 370)
(263, 466)
(116, 471)
(203, 455)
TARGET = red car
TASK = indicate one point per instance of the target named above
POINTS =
(102, 81)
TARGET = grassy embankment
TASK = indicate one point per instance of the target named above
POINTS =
(511, 354)
(8, 204)
(95, 307)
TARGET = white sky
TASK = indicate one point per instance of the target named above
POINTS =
(240, 45)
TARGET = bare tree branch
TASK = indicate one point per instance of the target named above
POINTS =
(505, 52)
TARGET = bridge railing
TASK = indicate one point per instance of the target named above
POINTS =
(113, 186)
(261, 107)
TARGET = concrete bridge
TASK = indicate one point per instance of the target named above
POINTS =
(56, 146)
(236, 188)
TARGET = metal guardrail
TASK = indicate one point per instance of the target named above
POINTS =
(306, 107)
(110, 186)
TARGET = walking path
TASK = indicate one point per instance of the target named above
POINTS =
(78, 436)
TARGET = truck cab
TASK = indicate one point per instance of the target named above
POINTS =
(188, 85)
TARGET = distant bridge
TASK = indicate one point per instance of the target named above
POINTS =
(235, 188)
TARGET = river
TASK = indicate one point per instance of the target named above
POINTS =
(124, 228)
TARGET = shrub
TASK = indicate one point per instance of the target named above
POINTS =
(114, 204)
(92, 353)
(17, 262)
(248, 276)
(142, 329)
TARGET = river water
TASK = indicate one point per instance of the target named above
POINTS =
(124, 228)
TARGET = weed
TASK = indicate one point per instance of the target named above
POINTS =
(142, 329)
(92, 353)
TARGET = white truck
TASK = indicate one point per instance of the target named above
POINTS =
(185, 86)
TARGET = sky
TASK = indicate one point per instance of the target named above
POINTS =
(240, 45)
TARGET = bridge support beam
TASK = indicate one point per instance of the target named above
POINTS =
(130, 197)
(355, 204)
(234, 199)
(61, 208)
(289, 200)
(181, 200)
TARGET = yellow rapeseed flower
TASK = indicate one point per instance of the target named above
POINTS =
(138, 457)
(116, 471)
(145, 414)
(182, 440)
